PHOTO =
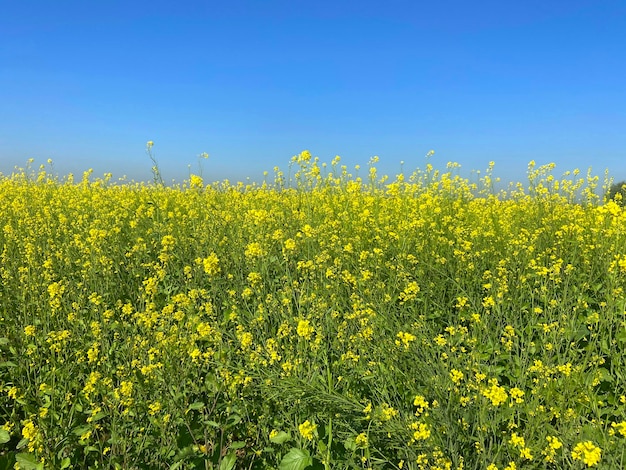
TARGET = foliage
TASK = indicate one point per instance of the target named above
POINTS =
(319, 321)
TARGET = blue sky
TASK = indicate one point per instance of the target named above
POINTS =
(253, 83)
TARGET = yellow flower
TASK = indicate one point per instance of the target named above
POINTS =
(554, 442)
(92, 353)
(307, 430)
(196, 181)
(29, 330)
(410, 292)
(405, 339)
(517, 441)
(587, 452)
(204, 330)
(254, 250)
(620, 427)
(387, 412)
(154, 408)
(421, 404)
(456, 376)
(421, 431)
(211, 264)
(550, 451)
(246, 340)
(361, 440)
(517, 395)
(496, 394)
(124, 393)
(304, 329)
(32, 433)
(85, 436)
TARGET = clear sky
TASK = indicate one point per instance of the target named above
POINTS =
(253, 83)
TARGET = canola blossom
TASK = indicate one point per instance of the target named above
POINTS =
(321, 320)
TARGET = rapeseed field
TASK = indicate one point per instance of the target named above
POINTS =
(320, 320)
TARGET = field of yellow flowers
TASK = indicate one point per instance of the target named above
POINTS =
(323, 320)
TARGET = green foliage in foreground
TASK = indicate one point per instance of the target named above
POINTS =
(339, 324)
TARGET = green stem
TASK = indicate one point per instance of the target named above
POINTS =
(329, 378)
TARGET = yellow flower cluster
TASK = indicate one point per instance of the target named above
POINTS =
(307, 430)
(427, 321)
(495, 393)
(587, 452)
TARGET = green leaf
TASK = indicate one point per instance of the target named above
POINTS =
(350, 444)
(233, 420)
(98, 416)
(184, 453)
(604, 346)
(228, 462)
(198, 405)
(322, 446)
(4, 341)
(237, 445)
(296, 459)
(4, 436)
(605, 375)
(65, 463)
(8, 364)
(281, 437)
(211, 383)
(81, 430)
(28, 462)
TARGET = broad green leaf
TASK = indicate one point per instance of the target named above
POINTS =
(228, 462)
(28, 462)
(81, 430)
(233, 420)
(350, 444)
(281, 437)
(198, 405)
(65, 463)
(237, 445)
(4, 341)
(4, 436)
(8, 364)
(296, 459)
(98, 416)
(605, 375)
